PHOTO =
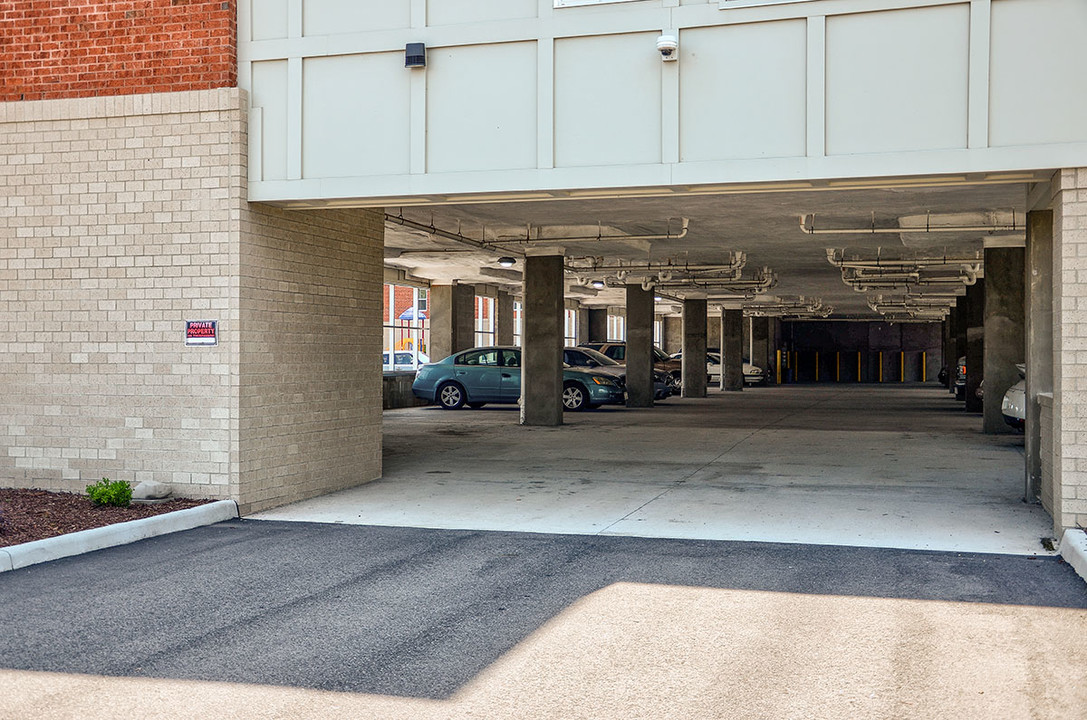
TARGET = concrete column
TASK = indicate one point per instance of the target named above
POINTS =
(975, 344)
(694, 348)
(452, 319)
(503, 308)
(760, 347)
(1005, 332)
(1039, 340)
(945, 346)
(732, 371)
(713, 336)
(582, 325)
(598, 325)
(673, 334)
(541, 353)
(639, 355)
(957, 340)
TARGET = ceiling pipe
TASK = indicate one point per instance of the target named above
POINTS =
(600, 236)
(837, 258)
(873, 230)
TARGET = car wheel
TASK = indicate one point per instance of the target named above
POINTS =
(476, 405)
(451, 396)
(574, 397)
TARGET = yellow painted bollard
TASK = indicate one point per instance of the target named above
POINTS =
(881, 366)
(902, 366)
(816, 366)
(779, 366)
(838, 366)
(924, 367)
(858, 366)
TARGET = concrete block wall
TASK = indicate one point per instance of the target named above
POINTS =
(1070, 348)
(310, 391)
(118, 222)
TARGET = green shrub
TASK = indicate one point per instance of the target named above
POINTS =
(104, 492)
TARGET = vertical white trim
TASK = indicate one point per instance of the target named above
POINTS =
(978, 104)
(417, 120)
(245, 21)
(294, 118)
(670, 107)
(418, 14)
(256, 143)
(545, 103)
(817, 87)
(294, 19)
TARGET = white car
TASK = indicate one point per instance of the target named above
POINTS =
(403, 360)
(1014, 405)
(753, 375)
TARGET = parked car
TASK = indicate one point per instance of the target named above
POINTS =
(1014, 405)
(403, 360)
(586, 358)
(960, 378)
(753, 375)
(617, 351)
(493, 375)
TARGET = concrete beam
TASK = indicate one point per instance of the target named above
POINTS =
(542, 341)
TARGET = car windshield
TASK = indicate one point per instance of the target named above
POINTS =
(659, 354)
(598, 356)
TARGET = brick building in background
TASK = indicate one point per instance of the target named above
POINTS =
(124, 213)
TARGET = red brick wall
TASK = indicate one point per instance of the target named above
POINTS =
(79, 48)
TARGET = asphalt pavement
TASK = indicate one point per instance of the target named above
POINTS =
(275, 619)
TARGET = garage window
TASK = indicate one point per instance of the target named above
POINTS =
(485, 332)
(617, 328)
(406, 327)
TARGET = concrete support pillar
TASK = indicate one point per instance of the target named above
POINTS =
(503, 308)
(760, 345)
(673, 334)
(1039, 332)
(542, 338)
(639, 350)
(732, 370)
(452, 319)
(957, 340)
(694, 348)
(1005, 332)
(945, 346)
(582, 325)
(598, 325)
(713, 336)
(975, 344)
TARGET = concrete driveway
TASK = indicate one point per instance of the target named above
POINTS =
(860, 465)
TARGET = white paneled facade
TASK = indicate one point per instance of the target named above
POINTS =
(534, 95)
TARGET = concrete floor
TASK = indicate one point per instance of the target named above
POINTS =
(872, 466)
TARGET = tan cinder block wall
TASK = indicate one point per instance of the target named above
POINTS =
(117, 224)
(310, 380)
(120, 218)
(1070, 349)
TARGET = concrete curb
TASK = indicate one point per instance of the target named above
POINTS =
(1074, 551)
(39, 551)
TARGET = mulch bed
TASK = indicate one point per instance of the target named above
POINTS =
(27, 515)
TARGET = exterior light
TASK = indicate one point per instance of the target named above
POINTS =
(657, 298)
(506, 262)
(597, 284)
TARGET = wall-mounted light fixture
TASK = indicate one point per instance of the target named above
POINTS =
(415, 55)
(598, 284)
(507, 262)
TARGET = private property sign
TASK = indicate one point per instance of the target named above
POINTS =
(201, 332)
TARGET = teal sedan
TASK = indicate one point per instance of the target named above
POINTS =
(493, 375)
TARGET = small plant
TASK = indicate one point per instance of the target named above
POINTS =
(104, 492)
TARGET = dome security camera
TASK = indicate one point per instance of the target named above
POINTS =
(667, 46)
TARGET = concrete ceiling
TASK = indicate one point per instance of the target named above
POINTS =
(765, 226)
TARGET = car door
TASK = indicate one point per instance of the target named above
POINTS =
(479, 373)
(510, 375)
